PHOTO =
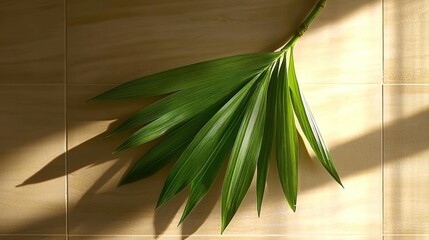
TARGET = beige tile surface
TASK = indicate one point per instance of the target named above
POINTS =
(32, 136)
(116, 41)
(406, 159)
(343, 45)
(406, 35)
(95, 202)
(339, 60)
(98, 207)
(11, 237)
(362, 237)
(31, 41)
(113, 42)
(406, 237)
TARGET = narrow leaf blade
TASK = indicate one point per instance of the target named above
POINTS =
(205, 146)
(286, 139)
(267, 141)
(166, 150)
(228, 69)
(199, 97)
(245, 153)
(180, 114)
(205, 179)
(308, 124)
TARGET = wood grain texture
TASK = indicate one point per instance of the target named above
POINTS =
(31, 41)
(406, 160)
(12, 237)
(406, 38)
(238, 237)
(97, 206)
(116, 41)
(407, 237)
(90, 154)
(113, 42)
(32, 134)
(340, 59)
(343, 45)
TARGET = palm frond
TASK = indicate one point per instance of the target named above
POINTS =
(207, 145)
(185, 102)
(245, 153)
(308, 123)
(286, 139)
(199, 99)
(167, 150)
(223, 70)
(244, 105)
(267, 140)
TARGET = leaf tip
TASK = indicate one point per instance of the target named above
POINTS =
(97, 98)
(341, 184)
(160, 202)
(222, 229)
(181, 220)
(337, 179)
(120, 148)
(91, 100)
(110, 134)
(121, 183)
(224, 224)
(116, 131)
(292, 205)
(259, 210)
(126, 180)
(184, 214)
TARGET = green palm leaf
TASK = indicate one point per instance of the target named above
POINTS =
(206, 146)
(205, 179)
(286, 139)
(199, 99)
(244, 103)
(166, 150)
(308, 123)
(267, 140)
(245, 153)
(227, 70)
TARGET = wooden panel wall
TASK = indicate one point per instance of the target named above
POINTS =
(366, 82)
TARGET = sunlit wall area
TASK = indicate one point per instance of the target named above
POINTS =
(363, 69)
(406, 106)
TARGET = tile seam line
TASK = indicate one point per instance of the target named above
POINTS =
(407, 235)
(31, 84)
(66, 180)
(231, 235)
(382, 117)
(321, 83)
(116, 84)
(32, 235)
(218, 235)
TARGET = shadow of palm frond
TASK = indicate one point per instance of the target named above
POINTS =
(144, 199)
(83, 215)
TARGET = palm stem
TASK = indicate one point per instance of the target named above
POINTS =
(304, 26)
